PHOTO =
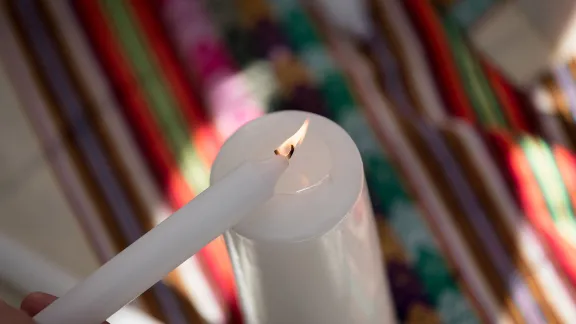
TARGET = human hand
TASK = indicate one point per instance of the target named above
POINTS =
(31, 305)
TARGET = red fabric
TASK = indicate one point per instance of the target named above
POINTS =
(206, 139)
(497, 143)
(137, 112)
(535, 208)
(215, 261)
(441, 61)
(529, 111)
(507, 98)
(566, 162)
(135, 107)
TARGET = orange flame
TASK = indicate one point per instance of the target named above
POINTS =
(287, 148)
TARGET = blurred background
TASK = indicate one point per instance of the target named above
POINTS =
(112, 111)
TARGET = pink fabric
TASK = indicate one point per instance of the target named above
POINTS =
(224, 90)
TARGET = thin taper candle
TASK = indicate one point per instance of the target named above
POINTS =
(161, 250)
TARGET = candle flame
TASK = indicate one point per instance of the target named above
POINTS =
(287, 148)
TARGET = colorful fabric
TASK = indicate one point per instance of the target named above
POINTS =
(131, 101)
(144, 125)
(66, 107)
(196, 38)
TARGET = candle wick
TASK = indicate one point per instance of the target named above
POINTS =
(289, 155)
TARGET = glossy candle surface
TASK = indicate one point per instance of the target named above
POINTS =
(169, 244)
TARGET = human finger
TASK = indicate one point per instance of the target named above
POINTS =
(35, 302)
(9, 314)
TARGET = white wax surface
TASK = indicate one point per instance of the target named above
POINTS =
(162, 249)
(324, 176)
(311, 254)
(27, 272)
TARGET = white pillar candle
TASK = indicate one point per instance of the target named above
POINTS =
(162, 249)
(310, 254)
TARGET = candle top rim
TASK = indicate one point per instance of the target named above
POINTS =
(332, 158)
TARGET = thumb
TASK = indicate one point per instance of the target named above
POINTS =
(35, 302)
(9, 314)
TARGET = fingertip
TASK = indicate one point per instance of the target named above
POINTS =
(35, 302)
(3, 303)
